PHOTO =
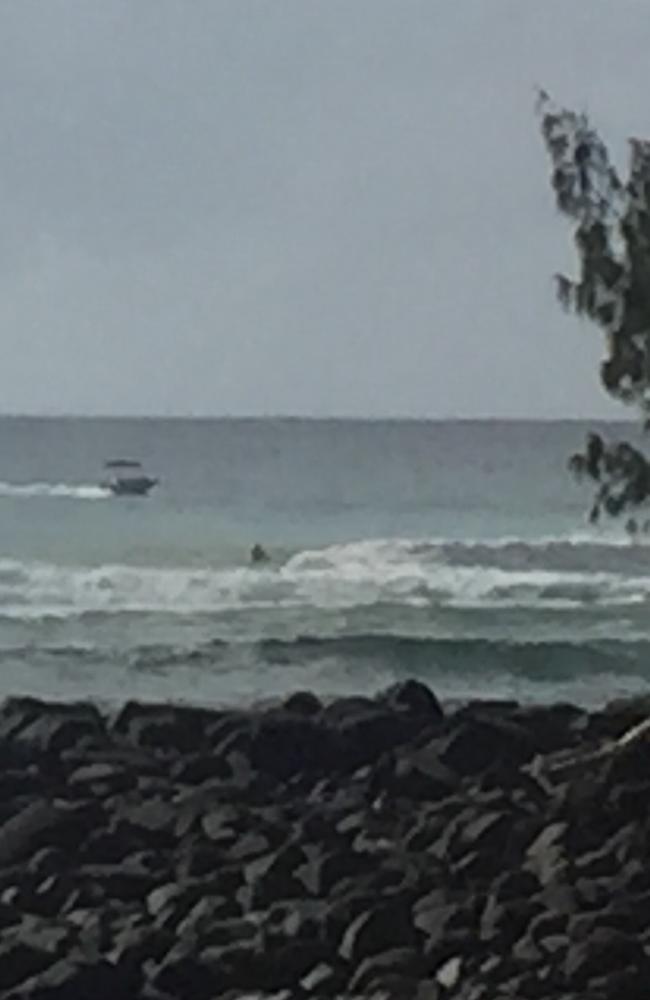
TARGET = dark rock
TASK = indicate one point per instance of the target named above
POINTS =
(197, 768)
(19, 961)
(604, 951)
(489, 832)
(474, 743)
(186, 975)
(503, 922)
(66, 980)
(303, 703)
(44, 824)
(413, 697)
(50, 727)
(368, 734)
(372, 931)
(168, 729)
(271, 876)
(393, 961)
(419, 775)
(553, 727)
(286, 743)
(124, 881)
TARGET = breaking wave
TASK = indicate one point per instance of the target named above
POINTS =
(547, 575)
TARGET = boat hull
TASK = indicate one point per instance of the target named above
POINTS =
(137, 486)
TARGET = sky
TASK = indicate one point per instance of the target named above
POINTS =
(309, 207)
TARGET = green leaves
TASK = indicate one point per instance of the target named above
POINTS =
(611, 221)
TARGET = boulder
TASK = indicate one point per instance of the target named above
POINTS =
(169, 730)
(414, 698)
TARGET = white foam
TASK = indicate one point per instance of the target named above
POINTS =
(81, 492)
(340, 577)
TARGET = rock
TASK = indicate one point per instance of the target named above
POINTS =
(413, 697)
(418, 775)
(19, 962)
(303, 703)
(101, 779)
(488, 833)
(127, 882)
(44, 824)
(448, 975)
(50, 727)
(187, 975)
(168, 729)
(386, 926)
(403, 961)
(604, 951)
(475, 743)
(286, 743)
(247, 846)
(366, 735)
(324, 980)
(270, 877)
(546, 857)
(197, 768)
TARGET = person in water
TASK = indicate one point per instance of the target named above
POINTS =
(259, 554)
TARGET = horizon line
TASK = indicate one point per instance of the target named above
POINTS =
(313, 418)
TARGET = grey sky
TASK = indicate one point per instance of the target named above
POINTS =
(297, 206)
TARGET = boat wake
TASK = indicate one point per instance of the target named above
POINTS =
(84, 491)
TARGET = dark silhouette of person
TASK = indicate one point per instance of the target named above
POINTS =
(259, 554)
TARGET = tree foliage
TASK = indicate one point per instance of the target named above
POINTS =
(611, 223)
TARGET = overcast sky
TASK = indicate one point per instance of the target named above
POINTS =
(321, 207)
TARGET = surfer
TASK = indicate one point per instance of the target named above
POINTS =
(259, 554)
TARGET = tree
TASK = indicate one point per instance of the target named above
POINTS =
(611, 222)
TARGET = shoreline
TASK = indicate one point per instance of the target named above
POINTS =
(387, 846)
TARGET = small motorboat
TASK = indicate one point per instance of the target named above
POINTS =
(127, 479)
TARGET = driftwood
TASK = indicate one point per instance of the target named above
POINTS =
(554, 768)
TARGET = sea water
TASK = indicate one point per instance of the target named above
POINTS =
(457, 552)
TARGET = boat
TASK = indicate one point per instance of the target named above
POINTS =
(126, 478)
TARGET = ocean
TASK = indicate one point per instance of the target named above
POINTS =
(456, 552)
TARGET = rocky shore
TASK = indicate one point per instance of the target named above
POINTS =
(376, 847)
